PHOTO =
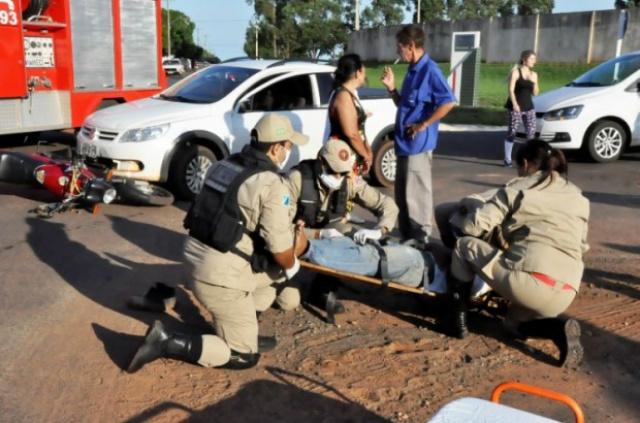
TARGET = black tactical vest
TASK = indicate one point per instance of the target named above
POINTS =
(309, 203)
(215, 217)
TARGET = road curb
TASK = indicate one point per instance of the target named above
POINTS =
(471, 128)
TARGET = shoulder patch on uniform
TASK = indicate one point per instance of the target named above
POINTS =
(286, 200)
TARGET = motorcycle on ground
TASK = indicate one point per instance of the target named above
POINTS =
(76, 184)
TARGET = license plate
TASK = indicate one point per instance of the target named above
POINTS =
(89, 150)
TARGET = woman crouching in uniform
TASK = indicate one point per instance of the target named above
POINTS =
(537, 228)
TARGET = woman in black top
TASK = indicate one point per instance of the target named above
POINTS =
(523, 85)
(346, 114)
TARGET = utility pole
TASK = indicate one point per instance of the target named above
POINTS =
(357, 23)
(168, 30)
(418, 12)
(257, 30)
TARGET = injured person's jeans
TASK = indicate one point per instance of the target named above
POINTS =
(406, 265)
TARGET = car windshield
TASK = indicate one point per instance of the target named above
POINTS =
(609, 73)
(209, 85)
(171, 62)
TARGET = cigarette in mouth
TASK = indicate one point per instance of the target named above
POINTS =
(396, 62)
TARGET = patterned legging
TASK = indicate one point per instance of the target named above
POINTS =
(528, 118)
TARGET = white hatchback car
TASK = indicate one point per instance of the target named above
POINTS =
(175, 136)
(598, 112)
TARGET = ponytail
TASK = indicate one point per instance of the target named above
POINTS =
(543, 157)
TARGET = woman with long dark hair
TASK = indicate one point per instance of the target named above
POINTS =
(523, 86)
(346, 114)
(527, 243)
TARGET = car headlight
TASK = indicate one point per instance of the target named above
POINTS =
(144, 134)
(565, 113)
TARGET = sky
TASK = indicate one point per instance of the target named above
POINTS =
(221, 24)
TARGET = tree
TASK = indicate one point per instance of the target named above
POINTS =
(182, 28)
(430, 10)
(297, 27)
(265, 40)
(626, 4)
(434, 10)
(383, 13)
(533, 7)
(313, 27)
(473, 9)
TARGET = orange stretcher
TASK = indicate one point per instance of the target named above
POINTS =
(472, 410)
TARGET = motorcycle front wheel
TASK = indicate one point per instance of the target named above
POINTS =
(142, 193)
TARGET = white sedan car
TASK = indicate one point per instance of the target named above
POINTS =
(175, 136)
(598, 112)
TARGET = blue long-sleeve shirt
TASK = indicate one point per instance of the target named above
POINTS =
(424, 90)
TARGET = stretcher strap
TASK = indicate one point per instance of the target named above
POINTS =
(384, 264)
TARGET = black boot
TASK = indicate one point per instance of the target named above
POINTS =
(322, 295)
(160, 343)
(565, 334)
(459, 299)
(158, 298)
(241, 361)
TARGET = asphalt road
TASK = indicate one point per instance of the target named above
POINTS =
(76, 270)
(464, 163)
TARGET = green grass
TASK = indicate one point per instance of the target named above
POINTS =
(493, 87)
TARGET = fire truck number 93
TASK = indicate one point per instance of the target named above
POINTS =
(8, 17)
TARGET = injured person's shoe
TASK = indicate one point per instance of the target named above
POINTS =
(158, 298)
(266, 343)
(322, 295)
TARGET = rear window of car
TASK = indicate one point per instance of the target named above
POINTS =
(171, 62)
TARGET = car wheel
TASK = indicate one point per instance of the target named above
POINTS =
(188, 170)
(606, 141)
(384, 164)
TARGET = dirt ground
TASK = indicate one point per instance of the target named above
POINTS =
(384, 360)
(67, 336)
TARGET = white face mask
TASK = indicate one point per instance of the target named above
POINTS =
(286, 159)
(332, 183)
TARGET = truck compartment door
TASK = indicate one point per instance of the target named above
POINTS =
(139, 44)
(93, 45)
(13, 83)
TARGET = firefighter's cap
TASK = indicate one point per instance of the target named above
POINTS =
(273, 127)
(338, 156)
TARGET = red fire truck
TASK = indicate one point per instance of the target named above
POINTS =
(60, 60)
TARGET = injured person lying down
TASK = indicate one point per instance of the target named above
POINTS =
(391, 262)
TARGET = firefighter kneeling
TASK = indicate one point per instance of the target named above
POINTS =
(241, 239)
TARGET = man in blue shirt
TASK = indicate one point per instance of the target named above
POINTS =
(425, 98)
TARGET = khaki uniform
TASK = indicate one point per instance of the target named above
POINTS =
(225, 283)
(358, 191)
(546, 228)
